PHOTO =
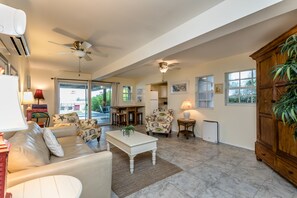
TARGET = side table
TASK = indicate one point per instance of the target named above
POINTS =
(56, 186)
(188, 125)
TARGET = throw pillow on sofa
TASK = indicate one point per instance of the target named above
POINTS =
(52, 143)
(28, 149)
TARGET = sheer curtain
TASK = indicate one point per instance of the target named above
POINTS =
(115, 96)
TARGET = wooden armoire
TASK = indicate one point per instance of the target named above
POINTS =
(275, 143)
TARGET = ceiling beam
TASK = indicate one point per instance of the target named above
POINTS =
(200, 29)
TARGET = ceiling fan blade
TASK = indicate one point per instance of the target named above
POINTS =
(64, 53)
(174, 68)
(64, 45)
(87, 57)
(68, 34)
(98, 52)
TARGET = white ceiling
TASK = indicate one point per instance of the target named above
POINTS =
(118, 28)
(245, 40)
(114, 27)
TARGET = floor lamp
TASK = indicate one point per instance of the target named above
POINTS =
(11, 119)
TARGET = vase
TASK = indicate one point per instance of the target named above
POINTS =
(127, 132)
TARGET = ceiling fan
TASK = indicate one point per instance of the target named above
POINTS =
(80, 47)
(164, 66)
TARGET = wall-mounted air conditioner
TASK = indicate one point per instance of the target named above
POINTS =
(15, 45)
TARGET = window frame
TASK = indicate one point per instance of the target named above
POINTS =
(127, 96)
(209, 92)
(253, 87)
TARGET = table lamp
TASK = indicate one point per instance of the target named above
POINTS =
(28, 99)
(38, 95)
(11, 119)
(186, 105)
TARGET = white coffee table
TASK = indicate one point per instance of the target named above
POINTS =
(132, 145)
(56, 186)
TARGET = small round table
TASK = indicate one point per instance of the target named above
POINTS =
(56, 186)
(186, 124)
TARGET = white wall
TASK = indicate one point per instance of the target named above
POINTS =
(237, 123)
(41, 79)
(21, 64)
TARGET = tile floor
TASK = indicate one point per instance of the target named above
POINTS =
(210, 170)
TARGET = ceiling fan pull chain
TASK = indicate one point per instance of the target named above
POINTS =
(79, 66)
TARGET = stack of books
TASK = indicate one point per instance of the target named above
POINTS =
(36, 108)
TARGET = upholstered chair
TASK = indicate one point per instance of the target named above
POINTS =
(87, 129)
(159, 122)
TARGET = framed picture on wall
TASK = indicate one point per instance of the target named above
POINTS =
(3, 65)
(179, 87)
(219, 88)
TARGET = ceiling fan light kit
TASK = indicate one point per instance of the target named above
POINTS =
(163, 67)
(79, 53)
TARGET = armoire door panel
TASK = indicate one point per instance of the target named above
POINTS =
(266, 130)
(265, 101)
(264, 67)
(286, 141)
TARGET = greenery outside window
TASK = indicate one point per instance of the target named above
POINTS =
(204, 91)
(127, 93)
(241, 87)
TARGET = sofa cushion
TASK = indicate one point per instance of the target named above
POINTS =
(28, 149)
(52, 143)
(73, 147)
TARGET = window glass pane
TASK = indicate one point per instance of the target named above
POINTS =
(233, 99)
(127, 93)
(234, 83)
(204, 94)
(246, 74)
(254, 73)
(233, 92)
(246, 83)
(233, 76)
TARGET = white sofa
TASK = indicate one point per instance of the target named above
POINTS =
(29, 159)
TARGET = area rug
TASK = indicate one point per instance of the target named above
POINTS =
(145, 174)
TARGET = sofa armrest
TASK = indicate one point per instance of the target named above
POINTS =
(63, 131)
(94, 171)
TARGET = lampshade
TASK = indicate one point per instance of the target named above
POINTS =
(11, 115)
(38, 94)
(28, 98)
(186, 105)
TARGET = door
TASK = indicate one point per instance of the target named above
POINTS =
(100, 102)
(73, 97)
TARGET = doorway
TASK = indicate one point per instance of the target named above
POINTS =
(93, 102)
(100, 102)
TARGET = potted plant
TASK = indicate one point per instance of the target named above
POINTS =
(286, 107)
(128, 130)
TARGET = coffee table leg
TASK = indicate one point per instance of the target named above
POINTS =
(108, 146)
(132, 163)
(154, 156)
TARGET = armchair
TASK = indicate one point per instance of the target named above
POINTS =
(86, 129)
(159, 122)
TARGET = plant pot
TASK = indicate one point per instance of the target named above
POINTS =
(128, 132)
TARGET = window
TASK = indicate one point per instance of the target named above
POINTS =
(127, 93)
(241, 87)
(204, 92)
